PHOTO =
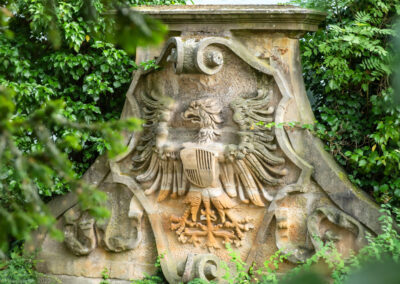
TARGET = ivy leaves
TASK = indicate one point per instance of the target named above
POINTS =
(348, 67)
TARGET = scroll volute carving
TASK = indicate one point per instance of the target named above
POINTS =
(193, 56)
(329, 224)
(206, 267)
(79, 232)
(122, 231)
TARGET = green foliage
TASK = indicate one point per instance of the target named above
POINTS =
(44, 165)
(157, 278)
(268, 273)
(63, 81)
(18, 269)
(105, 276)
(348, 68)
(242, 274)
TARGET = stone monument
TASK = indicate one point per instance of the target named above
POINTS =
(217, 162)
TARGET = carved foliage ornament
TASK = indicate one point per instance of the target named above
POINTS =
(119, 233)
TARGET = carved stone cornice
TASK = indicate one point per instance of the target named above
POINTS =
(254, 17)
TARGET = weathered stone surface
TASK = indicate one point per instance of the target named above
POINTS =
(122, 263)
(78, 280)
(206, 171)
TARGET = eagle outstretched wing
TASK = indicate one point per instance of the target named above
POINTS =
(161, 168)
(245, 170)
(253, 164)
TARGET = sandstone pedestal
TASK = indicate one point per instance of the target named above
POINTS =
(222, 158)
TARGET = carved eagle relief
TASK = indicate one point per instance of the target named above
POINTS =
(211, 177)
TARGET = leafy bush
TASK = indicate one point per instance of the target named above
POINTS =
(63, 79)
(18, 269)
(348, 69)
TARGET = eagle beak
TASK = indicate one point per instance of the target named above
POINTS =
(190, 115)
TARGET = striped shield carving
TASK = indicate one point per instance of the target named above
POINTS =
(200, 166)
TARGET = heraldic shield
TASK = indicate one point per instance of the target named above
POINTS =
(211, 167)
(205, 165)
(207, 168)
(200, 166)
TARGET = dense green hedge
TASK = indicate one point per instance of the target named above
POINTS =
(348, 68)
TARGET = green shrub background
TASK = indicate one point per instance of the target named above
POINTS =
(348, 69)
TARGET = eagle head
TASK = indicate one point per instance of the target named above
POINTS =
(207, 114)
